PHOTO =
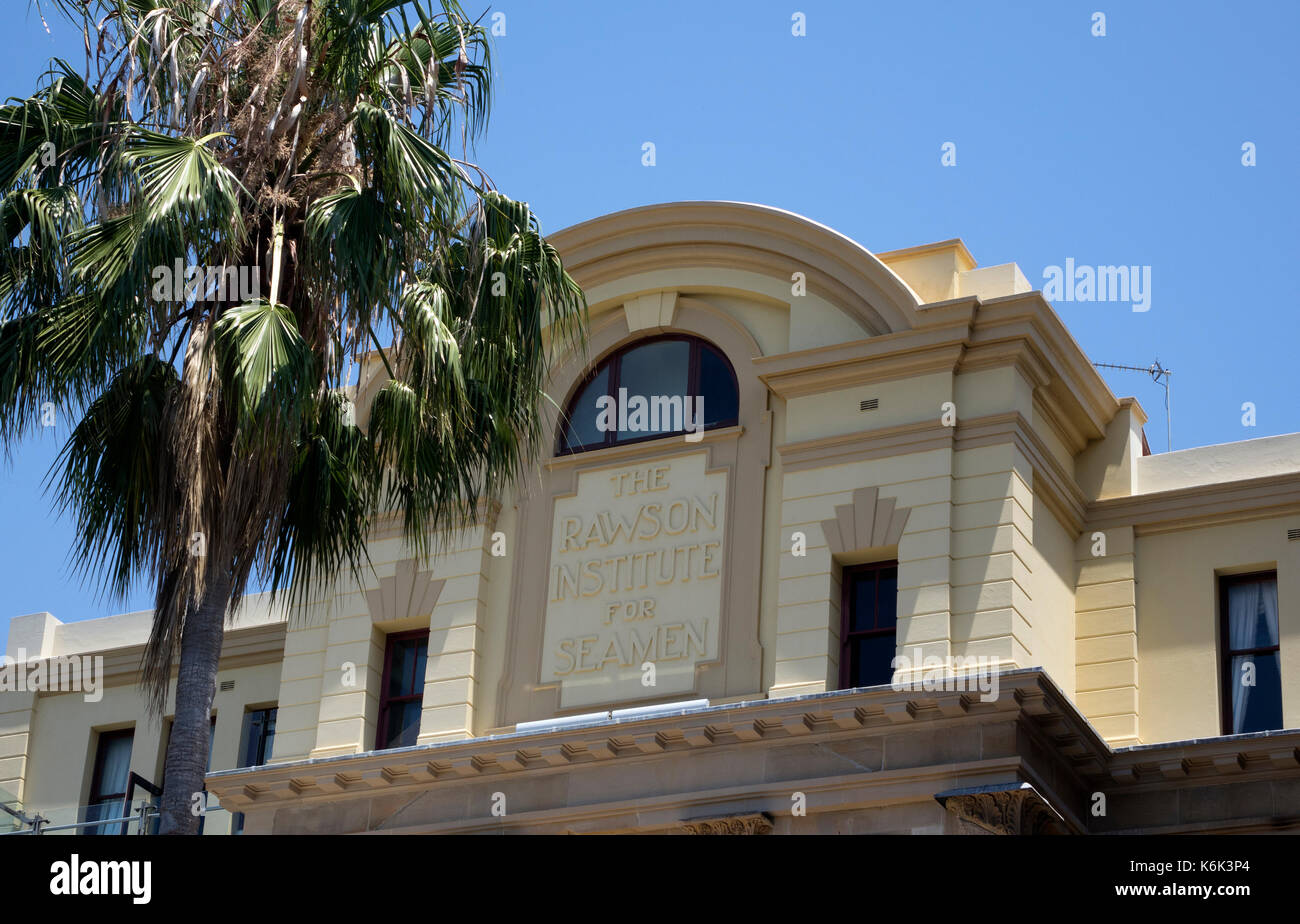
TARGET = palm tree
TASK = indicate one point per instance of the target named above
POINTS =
(215, 442)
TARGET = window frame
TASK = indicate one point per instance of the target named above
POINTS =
(1226, 652)
(847, 574)
(385, 701)
(95, 798)
(269, 715)
(614, 362)
(96, 771)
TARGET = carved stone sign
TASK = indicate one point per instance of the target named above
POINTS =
(634, 587)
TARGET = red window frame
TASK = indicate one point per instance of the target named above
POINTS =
(417, 683)
(847, 635)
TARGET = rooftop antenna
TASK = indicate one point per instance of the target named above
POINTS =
(1160, 375)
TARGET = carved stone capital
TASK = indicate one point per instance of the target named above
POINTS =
(1010, 810)
(756, 823)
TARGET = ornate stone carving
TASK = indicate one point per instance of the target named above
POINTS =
(1010, 811)
(757, 823)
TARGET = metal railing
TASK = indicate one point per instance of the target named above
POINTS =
(130, 817)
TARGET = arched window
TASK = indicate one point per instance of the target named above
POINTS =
(651, 388)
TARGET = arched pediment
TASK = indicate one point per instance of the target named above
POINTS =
(740, 236)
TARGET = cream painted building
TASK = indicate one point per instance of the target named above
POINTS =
(898, 455)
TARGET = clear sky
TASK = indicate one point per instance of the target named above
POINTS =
(1124, 149)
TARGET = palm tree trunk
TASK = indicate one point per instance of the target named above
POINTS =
(190, 744)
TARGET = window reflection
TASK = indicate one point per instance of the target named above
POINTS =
(652, 388)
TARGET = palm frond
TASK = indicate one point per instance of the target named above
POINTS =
(328, 504)
(265, 361)
(107, 475)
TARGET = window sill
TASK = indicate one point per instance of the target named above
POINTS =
(643, 448)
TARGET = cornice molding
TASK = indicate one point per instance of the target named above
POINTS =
(961, 336)
(241, 647)
(1076, 386)
(1199, 506)
(1027, 693)
(1258, 756)
(1052, 483)
(881, 442)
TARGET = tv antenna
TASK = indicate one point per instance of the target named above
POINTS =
(1160, 375)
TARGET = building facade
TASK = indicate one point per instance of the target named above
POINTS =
(827, 541)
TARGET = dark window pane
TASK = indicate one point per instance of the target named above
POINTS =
(421, 657)
(401, 700)
(651, 382)
(403, 724)
(657, 369)
(874, 600)
(862, 601)
(581, 429)
(721, 403)
(872, 663)
(1259, 707)
(887, 599)
(252, 736)
(401, 668)
(259, 733)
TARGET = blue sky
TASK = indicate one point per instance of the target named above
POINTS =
(1122, 149)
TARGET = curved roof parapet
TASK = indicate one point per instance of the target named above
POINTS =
(740, 235)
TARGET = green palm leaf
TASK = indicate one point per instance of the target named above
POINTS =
(265, 361)
(181, 179)
(107, 474)
(306, 147)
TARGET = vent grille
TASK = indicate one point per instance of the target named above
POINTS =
(1293, 534)
(870, 404)
(227, 686)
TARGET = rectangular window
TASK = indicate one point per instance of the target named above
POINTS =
(401, 692)
(1251, 660)
(108, 782)
(256, 742)
(868, 621)
(258, 737)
